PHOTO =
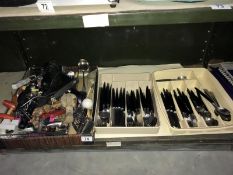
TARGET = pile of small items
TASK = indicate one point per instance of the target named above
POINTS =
(47, 103)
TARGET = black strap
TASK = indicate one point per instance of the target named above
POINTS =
(16, 3)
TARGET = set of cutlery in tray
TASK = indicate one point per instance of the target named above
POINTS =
(192, 100)
(126, 104)
(162, 103)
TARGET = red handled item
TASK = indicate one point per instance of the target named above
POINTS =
(9, 105)
(56, 112)
(7, 116)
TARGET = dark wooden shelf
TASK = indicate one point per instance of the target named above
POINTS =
(127, 13)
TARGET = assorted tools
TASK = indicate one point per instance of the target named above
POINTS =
(48, 102)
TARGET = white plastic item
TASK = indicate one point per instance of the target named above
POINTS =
(7, 124)
(87, 103)
(20, 83)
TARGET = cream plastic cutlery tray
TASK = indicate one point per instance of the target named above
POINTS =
(188, 79)
(129, 82)
(170, 80)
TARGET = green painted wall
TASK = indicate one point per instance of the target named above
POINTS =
(114, 46)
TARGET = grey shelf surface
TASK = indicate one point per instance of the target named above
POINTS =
(127, 13)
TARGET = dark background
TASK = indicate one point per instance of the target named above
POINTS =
(187, 44)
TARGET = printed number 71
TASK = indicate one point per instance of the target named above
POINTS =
(44, 6)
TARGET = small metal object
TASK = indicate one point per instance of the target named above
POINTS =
(55, 124)
(104, 116)
(71, 74)
(83, 66)
(182, 77)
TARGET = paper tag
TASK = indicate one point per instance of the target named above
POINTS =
(45, 6)
(87, 139)
(220, 7)
(113, 144)
(95, 20)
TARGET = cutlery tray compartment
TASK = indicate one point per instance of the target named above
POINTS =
(121, 87)
(200, 78)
